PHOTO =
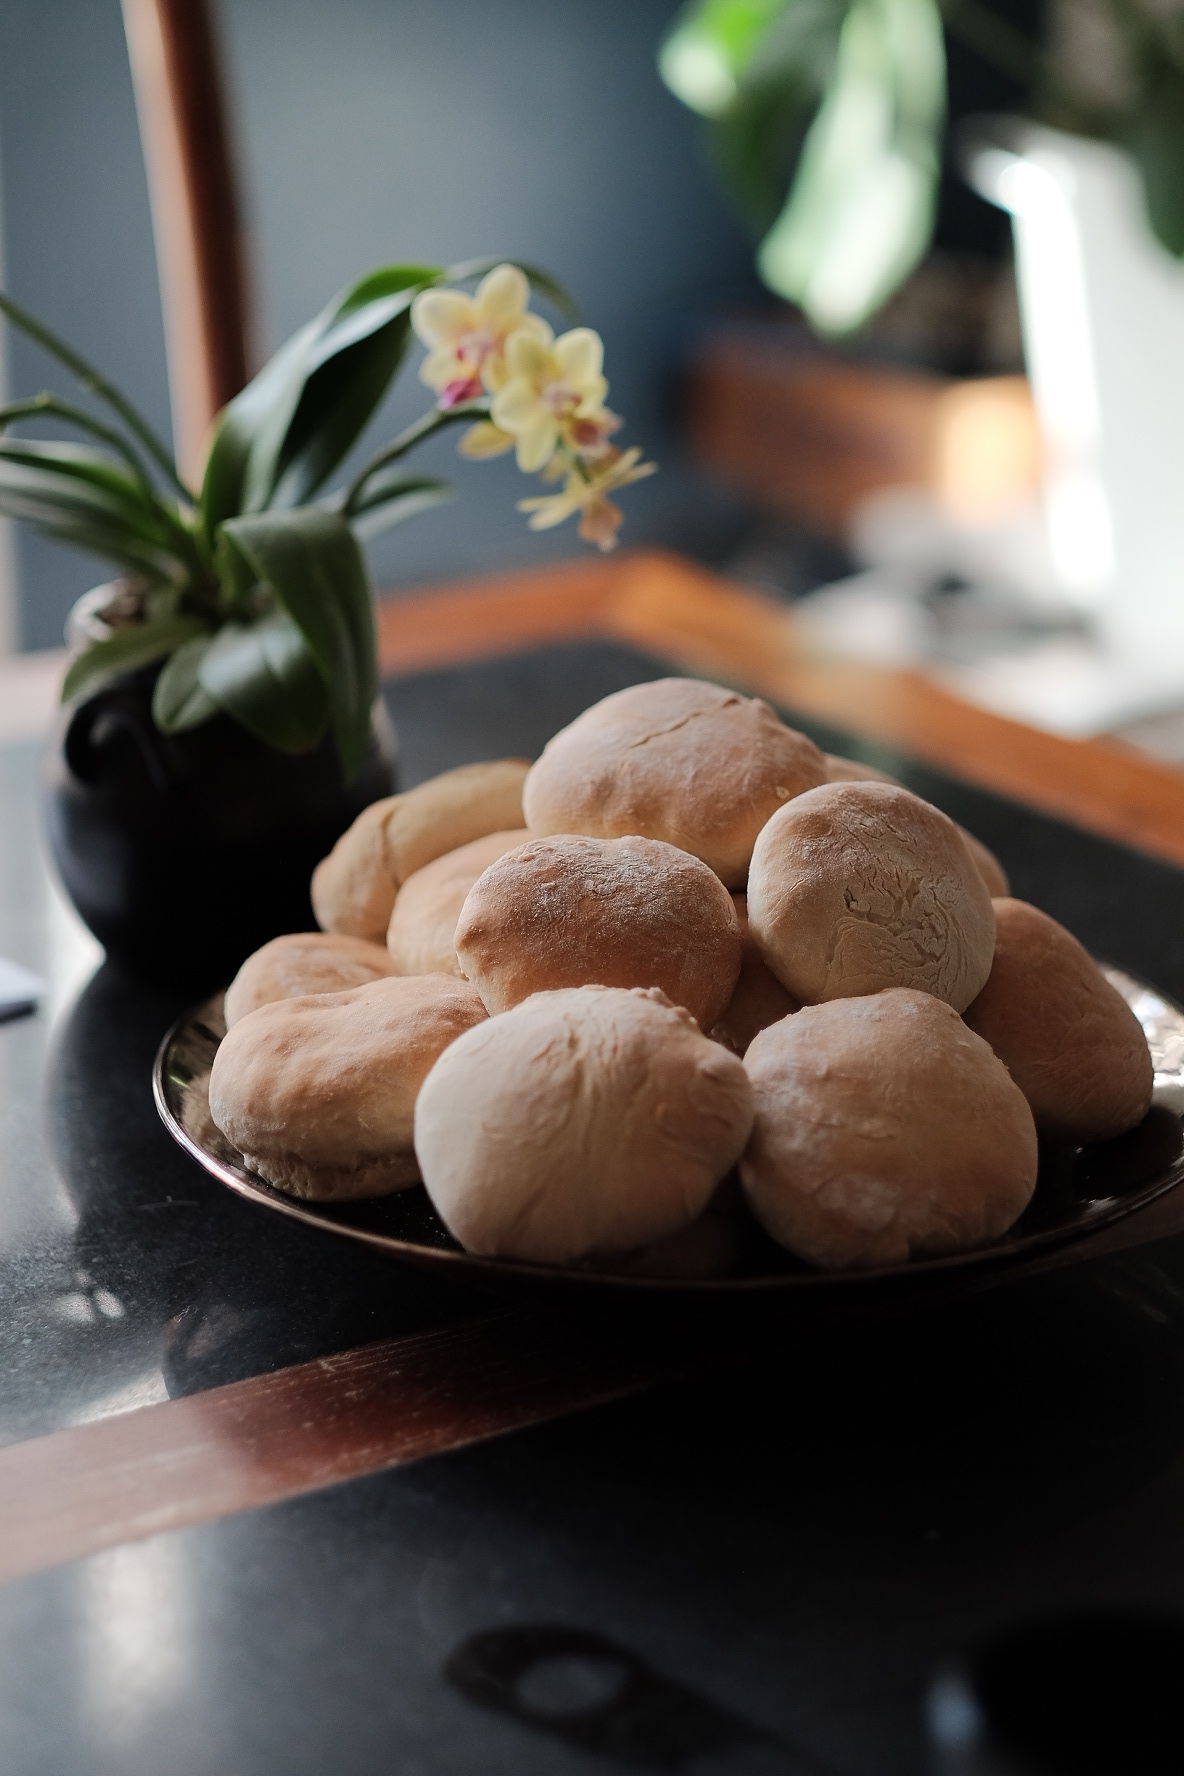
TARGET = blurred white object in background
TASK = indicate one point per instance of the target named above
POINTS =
(1102, 306)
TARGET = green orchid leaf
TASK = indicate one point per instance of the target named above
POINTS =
(860, 212)
(310, 561)
(74, 510)
(126, 649)
(389, 499)
(320, 391)
(91, 475)
(263, 676)
(179, 700)
(540, 280)
(223, 490)
(1155, 138)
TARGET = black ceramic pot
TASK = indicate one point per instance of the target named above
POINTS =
(185, 852)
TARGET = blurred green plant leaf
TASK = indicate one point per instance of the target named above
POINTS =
(263, 675)
(860, 212)
(179, 700)
(1155, 137)
(756, 141)
(310, 561)
(126, 649)
(388, 499)
(708, 51)
(78, 496)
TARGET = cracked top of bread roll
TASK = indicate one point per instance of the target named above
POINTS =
(318, 1094)
(594, 1120)
(572, 911)
(884, 1130)
(354, 888)
(421, 937)
(303, 962)
(693, 764)
(845, 770)
(1068, 1037)
(855, 887)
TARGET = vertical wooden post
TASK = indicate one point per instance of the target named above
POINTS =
(191, 182)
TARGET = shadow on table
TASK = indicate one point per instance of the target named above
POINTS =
(208, 1286)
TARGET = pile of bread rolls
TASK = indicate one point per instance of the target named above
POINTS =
(575, 997)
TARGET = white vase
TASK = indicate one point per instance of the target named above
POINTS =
(1102, 308)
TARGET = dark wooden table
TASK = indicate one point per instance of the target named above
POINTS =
(222, 1545)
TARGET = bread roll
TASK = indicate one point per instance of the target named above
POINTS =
(987, 864)
(318, 1094)
(300, 963)
(582, 1122)
(884, 1130)
(845, 770)
(353, 889)
(574, 911)
(1069, 1039)
(759, 998)
(690, 763)
(859, 886)
(421, 936)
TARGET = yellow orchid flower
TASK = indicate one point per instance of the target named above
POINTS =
(585, 492)
(554, 394)
(466, 335)
(484, 440)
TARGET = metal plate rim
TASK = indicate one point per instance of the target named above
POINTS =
(464, 1265)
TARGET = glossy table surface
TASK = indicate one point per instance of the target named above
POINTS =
(750, 1554)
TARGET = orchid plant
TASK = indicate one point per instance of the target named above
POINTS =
(250, 594)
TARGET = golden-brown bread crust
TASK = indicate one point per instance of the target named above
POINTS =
(573, 911)
(421, 937)
(593, 1120)
(845, 770)
(354, 888)
(318, 1094)
(987, 864)
(693, 764)
(884, 1130)
(1068, 1037)
(300, 963)
(855, 887)
(759, 998)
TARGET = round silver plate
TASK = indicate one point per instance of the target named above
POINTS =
(1077, 1195)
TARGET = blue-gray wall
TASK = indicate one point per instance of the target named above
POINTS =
(373, 130)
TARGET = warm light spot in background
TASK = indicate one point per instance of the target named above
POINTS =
(988, 453)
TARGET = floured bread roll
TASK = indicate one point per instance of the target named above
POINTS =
(573, 912)
(845, 770)
(884, 1130)
(318, 1094)
(759, 999)
(304, 962)
(1069, 1039)
(353, 889)
(421, 937)
(589, 1121)
(859, 886)
(694, 764)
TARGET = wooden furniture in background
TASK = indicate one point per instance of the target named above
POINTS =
(808, 436)
(699, 621)
(195, 211)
